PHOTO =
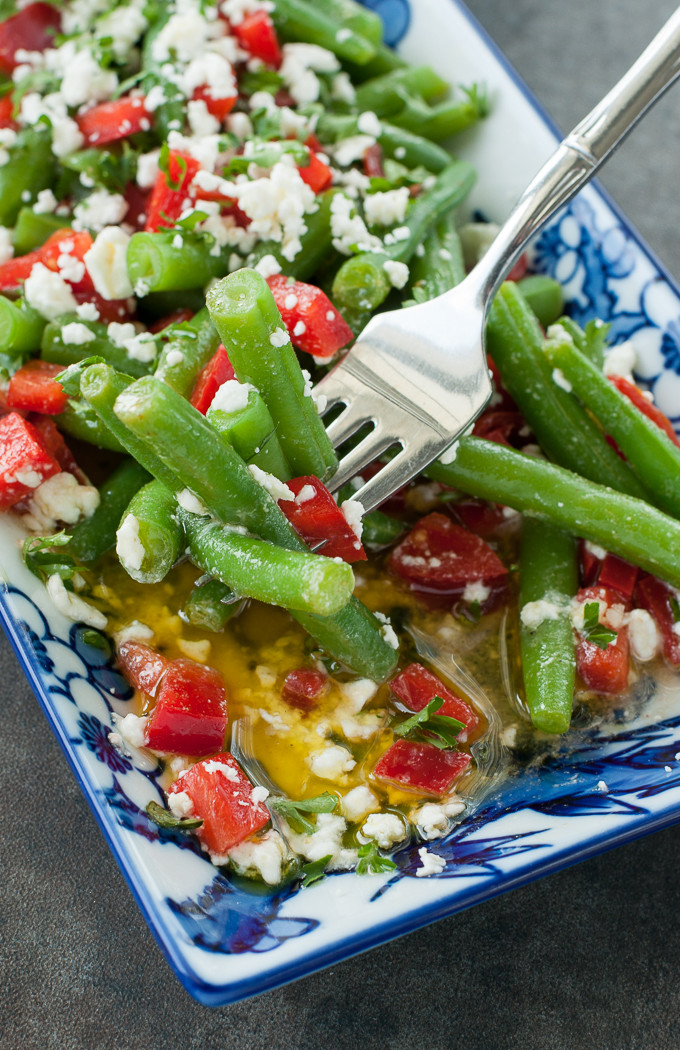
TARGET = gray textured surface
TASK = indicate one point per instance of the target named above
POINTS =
(585, 959)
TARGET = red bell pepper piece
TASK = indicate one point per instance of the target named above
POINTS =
(218, 107)
(373, 162)
(142, 666)
(114, 120)
(31, 29)
(190, 716)
(170, 191)
(303, 687)
(317, 175)
(313, 323)
(503, 426)
(33, 388)
(68, 246)
(320, 519)
(57, 447)
(422, 767)
(415, 686)
(137, 200)
(439, 556)
(589, 564)
(603, 670)
(520, 268)
(478, 516)
(217, 371)
(222, 797)
(178, 316)
(648, 408)
(654, 596)
(257, 35)
(618, 574)
(24, 461)
(6, 112)
(15, 271)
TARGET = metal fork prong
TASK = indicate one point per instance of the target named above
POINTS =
(347, 423)
(372, 446)
(400, 470)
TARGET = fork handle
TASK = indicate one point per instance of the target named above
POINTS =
(580, 154)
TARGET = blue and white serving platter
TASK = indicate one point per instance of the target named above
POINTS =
(606, 786)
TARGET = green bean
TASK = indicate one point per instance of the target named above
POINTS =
(80, 421)
(315, 241)
(380, 529)
(440, 266)
(249, 323)
(648, 449)
(385, 60)
(548, 572)
(94, 536)
(188, 350)
(411, 149)
(384, 95)
(150, 536)
(545, 297)
(299, 21)
(444, 120)
(296, 580)
(211, 605)
(620, 523)
(357, 17)
(21, 327)
(590, 340)
(251, 430)
(563, 429)
(54, 347)
(32, 229)
(362, 284)
(353, 637)
(167, 260)
(31, 168)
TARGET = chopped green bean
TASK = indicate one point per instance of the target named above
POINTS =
(21, 327)
(150, 536)
(211, 605)
(94, 536)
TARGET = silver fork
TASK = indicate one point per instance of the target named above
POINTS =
(419, 375)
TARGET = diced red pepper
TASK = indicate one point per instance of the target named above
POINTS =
(31, 29)
(312, 142)
(654, 596)
(142, 666)
(170, 191)
(108, 309)
(14, 271)
(33, 388)
(218, 107)
(6, 111)
(303, 687)
(217, 371)
(222, 797)
(438, 556)
(57, 447)
(176, 317)
(647, 407)
(257, 35)
(502, 426)
(69, 245)
(603, 670)
(618, 574)
(137, 200)
(320, 519)
(373, 162)
(520, 268)
(589, 564)
(478, 516)
(317, 175)
(190, 716)
(24, 461)
(416, 686)
(313, 323)
(422, 767)
(114, 120)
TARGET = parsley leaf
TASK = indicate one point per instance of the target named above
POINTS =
(292, 811)
(594, 631)
(440, 730)
(675, 608)
(44, 561)
(315, 870)
(70, 377)
(165, 819)
(372, 862)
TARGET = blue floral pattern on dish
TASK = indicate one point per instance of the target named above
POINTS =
(610, 783)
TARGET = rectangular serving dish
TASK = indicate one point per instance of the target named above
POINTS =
(601, 788)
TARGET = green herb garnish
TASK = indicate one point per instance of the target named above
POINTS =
(292, 811)
(440, 730)
(44, 561)
(594, 631)
(164, 165)
(675, 608)
(315, 870)
(165, 819)
(69, 379)
(372, 862)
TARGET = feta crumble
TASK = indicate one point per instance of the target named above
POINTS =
(430, 863)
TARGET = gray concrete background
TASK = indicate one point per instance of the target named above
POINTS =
(587, 958)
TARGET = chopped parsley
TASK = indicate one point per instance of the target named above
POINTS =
(315, 870)
(426, 725)
(594, 631)
(292, 811)
(165, 819)
(372, 862)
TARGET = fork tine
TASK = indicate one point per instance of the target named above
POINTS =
(372, 446)
(347, 423)
(405, 465)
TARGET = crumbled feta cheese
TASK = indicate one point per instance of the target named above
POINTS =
(279, 337)
(174, 357)
(397, 272)
(85, 81)
(236, 10)
(386, 208)
(232, 396)
(106, 263)
(276, 489)
(643, 635)
(129, 546)
(301, 63)
(188, 501)
(331, 763)
(559, 379)
(306, 493)
(197, 650)
(358, 802)
(180, 805)
(147, 163)
(276, 204)
(265, 676)
(134, 632)
(386, 828)
(476, 592)
(123, 26)
(141, 347)
(201, 120)
(46, 203)
(431, 864)
(602, 787)
(358, 693)
(66, 136)
(449, 454)
(349, 229)
(533, 614)
(342, 88)
(76, 334)
(352, 511)
(48, 293)
(621, 361)
(369, 124)
(325, 841)
(265, 855)
(99, 210)
(61, 499)
(118, 332)
(6, 246)
(73, 607)
(267, 266)
(87, 312)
